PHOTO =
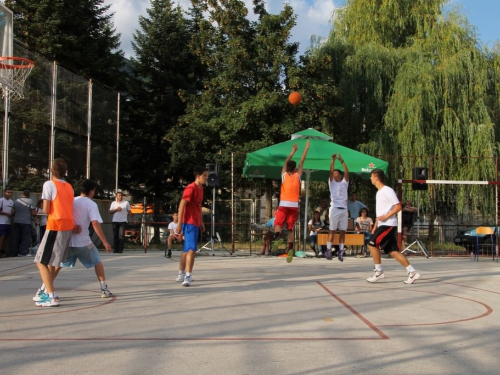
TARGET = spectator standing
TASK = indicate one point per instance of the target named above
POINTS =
(354, 206)
(120, 210)
(21, 231)
(6, 213)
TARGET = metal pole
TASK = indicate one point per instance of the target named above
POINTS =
(213, 220)
(117, 140)
(232, 202)
(53, 117)
(5, 152)
(308, 174)
(89, 127)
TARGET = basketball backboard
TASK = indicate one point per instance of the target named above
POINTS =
(6, 31)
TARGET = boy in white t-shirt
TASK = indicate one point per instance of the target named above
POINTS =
(386, 225)
(172, 237)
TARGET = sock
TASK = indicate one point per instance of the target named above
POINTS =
(341, 246)
(378, 267)
(329, 245)
(104, 285)
(188, 273)
(182, 272)
(52, 295)
(410, 269)
(277, 235)
(42, 288)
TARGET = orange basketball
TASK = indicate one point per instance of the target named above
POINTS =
(295, 97)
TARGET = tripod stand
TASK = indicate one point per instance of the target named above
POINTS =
(420, 246)
(214, 236)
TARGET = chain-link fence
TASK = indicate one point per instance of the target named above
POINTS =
(62, 115)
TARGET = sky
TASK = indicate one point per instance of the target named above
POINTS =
(313, 18)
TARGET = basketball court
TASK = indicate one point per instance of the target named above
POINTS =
(258, 315)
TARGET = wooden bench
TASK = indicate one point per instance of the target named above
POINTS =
(351, 239)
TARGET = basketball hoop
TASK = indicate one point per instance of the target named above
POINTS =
(13, 74)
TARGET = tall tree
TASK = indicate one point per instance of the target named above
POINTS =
(414, 81)
(243, 105)
(78, 34)
(163, 68)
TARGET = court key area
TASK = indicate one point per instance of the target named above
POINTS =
(253, 315)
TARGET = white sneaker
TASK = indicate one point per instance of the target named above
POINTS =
(180, 277)
(40, 296)
(412, 276)
(105, 293)
(376, 276)
(187, 280)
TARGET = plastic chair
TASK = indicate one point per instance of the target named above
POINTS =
(486, 231)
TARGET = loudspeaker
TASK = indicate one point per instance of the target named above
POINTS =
(213, 174)
(419, 173)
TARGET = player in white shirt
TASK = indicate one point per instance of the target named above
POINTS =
(384, 237)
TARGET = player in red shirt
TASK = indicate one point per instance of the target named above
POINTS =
(190, 223)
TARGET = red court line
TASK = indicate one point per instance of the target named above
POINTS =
(489, 310)
(357, 314)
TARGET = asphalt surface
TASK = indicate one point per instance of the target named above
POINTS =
(253, 315)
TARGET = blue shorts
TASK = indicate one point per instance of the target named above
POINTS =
(4, 230)
(191, 233)
(88, 255)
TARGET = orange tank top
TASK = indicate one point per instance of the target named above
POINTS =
(290, 188)
(61, 208)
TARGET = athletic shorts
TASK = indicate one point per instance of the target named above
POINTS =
(191, 233)
(385, 238)
(53, 248)
(338, 219)
(286, 215)
(88, 256)
(4, 230)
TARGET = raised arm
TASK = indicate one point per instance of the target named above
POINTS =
(332, 166)
(303, 158)
(346, 170)
(294, 149)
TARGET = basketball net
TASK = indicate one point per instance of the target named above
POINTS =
(13, 74)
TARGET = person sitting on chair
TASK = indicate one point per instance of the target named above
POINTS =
(364, 224)
(268, 236)
(172, 238)
(315, 225)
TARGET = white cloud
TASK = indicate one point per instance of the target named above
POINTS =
(313, 18)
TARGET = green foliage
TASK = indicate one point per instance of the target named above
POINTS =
(413, 80)
(243, 105)
(78, 34)
(162, 69)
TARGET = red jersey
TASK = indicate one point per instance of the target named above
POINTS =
(193, 194)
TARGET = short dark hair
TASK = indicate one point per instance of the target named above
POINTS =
(291, 165)
(59, 167)
(379, 173)
(198, 170)
(86, 186)
(338, 170)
